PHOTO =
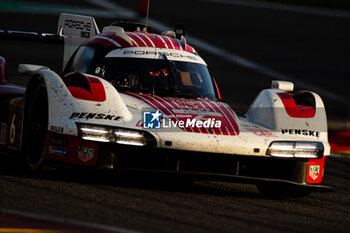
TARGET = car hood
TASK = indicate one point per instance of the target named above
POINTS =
(214, 117)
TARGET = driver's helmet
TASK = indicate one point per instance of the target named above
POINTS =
(190, 76)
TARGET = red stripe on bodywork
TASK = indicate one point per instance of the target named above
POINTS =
(207, 108)
(164, 41)
(103, 42)
(146, 39)
(156, 40)
(137, 40)
(122, 42)
(228, 120)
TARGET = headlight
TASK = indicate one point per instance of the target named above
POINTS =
(296, 149)
(115, 135)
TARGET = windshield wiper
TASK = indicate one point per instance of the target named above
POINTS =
(172, 72)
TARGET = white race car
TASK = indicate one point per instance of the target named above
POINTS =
(130, 99)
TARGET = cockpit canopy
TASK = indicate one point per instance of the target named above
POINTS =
(156, 71)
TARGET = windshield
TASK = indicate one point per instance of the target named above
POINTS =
(158, 76)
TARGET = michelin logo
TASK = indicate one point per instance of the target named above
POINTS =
(151, 120)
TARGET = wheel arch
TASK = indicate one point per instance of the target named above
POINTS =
(35, 122)
(32, 85)
(52, 82)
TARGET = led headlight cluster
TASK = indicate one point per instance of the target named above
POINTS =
(115, 135)
(296, 149)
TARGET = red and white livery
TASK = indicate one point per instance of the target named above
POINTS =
(131, 99)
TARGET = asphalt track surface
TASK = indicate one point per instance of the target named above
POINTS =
(311, 48)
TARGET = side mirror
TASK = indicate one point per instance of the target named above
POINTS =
(282, 85)
(3, 74)
(30, 69)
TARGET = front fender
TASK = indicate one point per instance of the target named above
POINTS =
(65, 110)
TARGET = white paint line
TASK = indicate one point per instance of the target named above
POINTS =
(285, 7)
(109, 39)
(236, 59)
(172, 45)
(132, 40)
(340, 155)
(149, 39)
(144, 42)
(94, 226)
(165, 44)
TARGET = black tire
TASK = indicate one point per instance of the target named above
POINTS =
(278, 190)
(36, 123)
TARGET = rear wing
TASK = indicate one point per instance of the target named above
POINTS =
(30, 36)
(72, 31)
(75, 29)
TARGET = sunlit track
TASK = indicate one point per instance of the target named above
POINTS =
(13, 221)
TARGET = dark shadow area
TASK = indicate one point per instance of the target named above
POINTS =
(14, 166)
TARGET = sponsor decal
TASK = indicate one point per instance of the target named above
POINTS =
(58, 141)
(84, 28)
(56, 129)
(58, 151)
(159, 53)
(261, 132)
(3, 132)
(215, 117)
(85, 154)
(14, 130)
(304, 132)
(151, 120)
(314, 171)
(167, 54)
(97, 116)
(154, 120)
(77, 24)
(191, 123)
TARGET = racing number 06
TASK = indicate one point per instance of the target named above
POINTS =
(13, 130)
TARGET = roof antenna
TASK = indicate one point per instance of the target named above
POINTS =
(147, 13)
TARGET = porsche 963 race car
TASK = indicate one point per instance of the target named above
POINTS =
(131, 99)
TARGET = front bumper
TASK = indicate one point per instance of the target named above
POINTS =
(300, 172)
(210, 166)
